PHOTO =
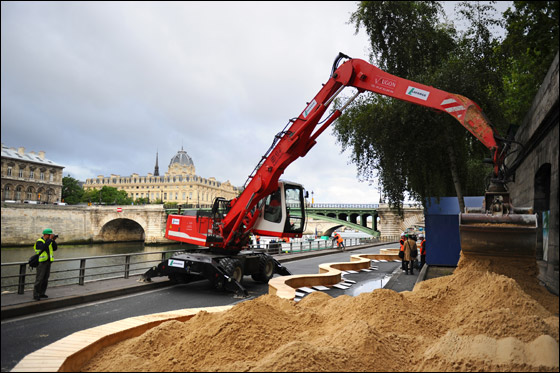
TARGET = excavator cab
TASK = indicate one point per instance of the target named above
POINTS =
(282, 212)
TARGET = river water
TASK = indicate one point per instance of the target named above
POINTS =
(62, 271)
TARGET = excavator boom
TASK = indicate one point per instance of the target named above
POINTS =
(245, 213)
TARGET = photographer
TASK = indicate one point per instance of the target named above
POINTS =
(45, 246)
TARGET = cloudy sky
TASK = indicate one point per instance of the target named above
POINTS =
(102, 86)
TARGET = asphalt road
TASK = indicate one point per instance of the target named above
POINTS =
(21, 336)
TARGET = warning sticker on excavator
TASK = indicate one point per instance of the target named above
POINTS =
(417, 92)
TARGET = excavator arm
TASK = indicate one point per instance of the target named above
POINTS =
(299, 136)
(366, 77)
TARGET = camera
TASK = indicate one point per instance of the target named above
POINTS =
(55, 236)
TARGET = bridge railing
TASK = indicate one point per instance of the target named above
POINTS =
(343, 205)
(278, 248)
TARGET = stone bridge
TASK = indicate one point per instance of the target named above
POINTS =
(22, 224)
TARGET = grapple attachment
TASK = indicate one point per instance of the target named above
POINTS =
(509, 235)
(498, 229)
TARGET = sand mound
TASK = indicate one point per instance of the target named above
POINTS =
(489, 315)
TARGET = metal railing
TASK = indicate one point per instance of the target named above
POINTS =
(369, 206)
(77, 271)
(302, 246)
(14, 274)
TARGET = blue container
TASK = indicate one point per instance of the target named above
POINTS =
(443, 243)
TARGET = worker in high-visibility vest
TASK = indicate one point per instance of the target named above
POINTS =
(45, 247)
(340, 242)
(422, 250)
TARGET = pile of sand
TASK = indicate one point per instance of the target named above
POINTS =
(490, 315)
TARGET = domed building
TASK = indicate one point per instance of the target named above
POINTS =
(181, 163)
(179, 184)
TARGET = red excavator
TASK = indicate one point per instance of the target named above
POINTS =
(271, 207)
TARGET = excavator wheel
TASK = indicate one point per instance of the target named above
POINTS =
(266, 269)
(232, 267)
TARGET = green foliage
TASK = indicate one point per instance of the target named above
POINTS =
(142, 201)
(107, 196)
(526, 53)
(409, 148)
(405, 36)
(71, 190)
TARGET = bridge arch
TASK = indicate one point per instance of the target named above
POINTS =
(121, 226)
(121, 229)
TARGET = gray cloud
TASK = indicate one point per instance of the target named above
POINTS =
(101, 86)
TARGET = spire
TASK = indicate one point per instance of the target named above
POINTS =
(156, 169)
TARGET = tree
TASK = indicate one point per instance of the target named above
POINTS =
(526, 53)
(142, 201)
(409, 148)
(107, 196)
(71, 190)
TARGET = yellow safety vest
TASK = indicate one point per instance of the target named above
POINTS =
(44, 255)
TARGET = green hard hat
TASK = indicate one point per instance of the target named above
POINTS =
(47, 231)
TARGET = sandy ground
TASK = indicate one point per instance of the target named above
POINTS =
(489, 315)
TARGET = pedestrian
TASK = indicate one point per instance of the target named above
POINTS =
(45, 247)
(410, 253)
(401, 251)
(258, 239)
(422, 250)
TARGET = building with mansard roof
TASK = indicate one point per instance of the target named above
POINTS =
(179, 184)
(30, 177)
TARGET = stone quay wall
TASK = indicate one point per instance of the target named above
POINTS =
(536, 172)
